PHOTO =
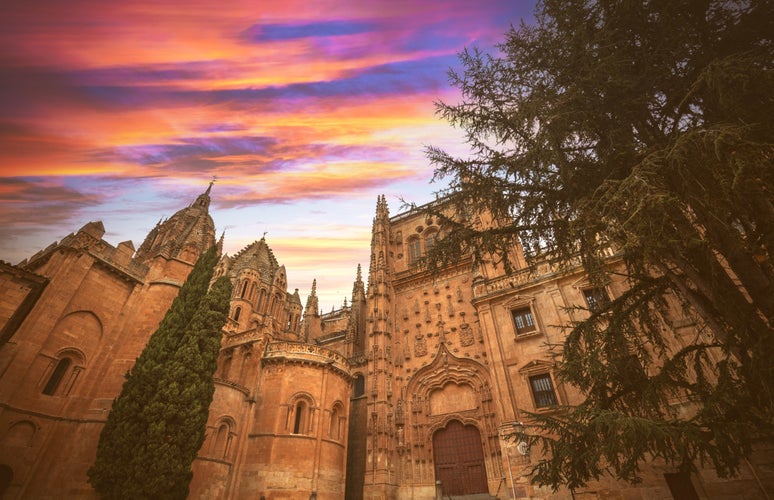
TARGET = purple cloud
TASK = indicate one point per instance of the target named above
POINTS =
(235, 155)
(32, 203)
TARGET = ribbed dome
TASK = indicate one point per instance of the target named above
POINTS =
(189, 227)
(257, 256)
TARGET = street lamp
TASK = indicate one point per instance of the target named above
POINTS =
(523, 446)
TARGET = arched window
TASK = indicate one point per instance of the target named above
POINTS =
(359, 387)
(244, 289)
(242, 369)
(253, 291)
(277, 306)
(226, 365)
(430, 239)
(237, 312)
(222, 441)
(57, 375)
(299, 418)
(270, 306)
(334, 432)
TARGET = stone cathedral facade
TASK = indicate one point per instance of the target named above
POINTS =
(408, 391)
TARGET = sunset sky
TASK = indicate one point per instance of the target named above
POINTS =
(304, 111)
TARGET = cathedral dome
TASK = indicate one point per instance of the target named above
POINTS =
(185, 235)
(259, 257)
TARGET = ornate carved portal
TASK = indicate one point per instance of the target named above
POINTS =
(447, 427)
(459, 459)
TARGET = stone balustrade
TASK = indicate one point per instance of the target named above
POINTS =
(531, 274)
(306, 353)
(234, 339)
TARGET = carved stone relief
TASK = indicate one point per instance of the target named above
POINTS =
(466, 335)
(420, 346)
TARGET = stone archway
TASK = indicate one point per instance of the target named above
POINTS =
(459, 459)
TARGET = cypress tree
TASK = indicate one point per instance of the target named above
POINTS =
(157, 423)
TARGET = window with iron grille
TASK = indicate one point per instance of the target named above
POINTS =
(523, 320)
(596, 298)
(543, 391)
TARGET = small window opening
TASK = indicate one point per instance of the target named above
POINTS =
(298, 425)
(56, 376)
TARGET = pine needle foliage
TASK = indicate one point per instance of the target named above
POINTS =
(158, 422)
(648, 127)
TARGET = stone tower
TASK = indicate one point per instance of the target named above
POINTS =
(278, 420)
(380, 457)
(428, 382)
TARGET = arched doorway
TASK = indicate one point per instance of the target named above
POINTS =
(459, 459)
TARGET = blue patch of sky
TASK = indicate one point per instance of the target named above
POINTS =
(283, 32)
(420, 76)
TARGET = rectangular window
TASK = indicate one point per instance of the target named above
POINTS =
(543, 391)
(414, 250)
(596, 298)
(523, 320)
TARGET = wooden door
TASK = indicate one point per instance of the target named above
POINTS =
(459, 459)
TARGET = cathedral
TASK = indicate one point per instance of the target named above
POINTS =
(409, 391)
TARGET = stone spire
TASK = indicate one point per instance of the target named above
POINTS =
(358, 288)
(311, 313)
(222, 237)
(380, 236)
(356, 333)
(379, 343)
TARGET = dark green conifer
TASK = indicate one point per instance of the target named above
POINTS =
(157, 423)
(646, 127)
